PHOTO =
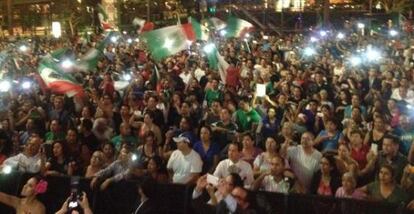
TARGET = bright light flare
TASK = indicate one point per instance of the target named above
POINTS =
(223, 33)
(26, 85)
(361, 25)
(5, 86)
(323, 33)
(7, 169)
(114, 39)
(67, 63)
(355, 60)
(129, 41)
(127, 77)
(340, 36)
(309, 51)
(209, 48)
(23, 48)
(372, 54)
(393, 33)
(314, 39)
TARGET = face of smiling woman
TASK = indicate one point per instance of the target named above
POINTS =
(29, 187)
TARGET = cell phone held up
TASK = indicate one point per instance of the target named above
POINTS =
(75, 194)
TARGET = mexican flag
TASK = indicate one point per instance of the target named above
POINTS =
(167, 41)
(238, 27)
(103, 18)
(58, 81)
(89, 61)
(214, 23)
(142, 25)
(201, 31)
(217, 62)
(223, 65)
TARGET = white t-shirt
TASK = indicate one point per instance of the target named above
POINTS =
(184, 165)
(244, 169)
(303, 165)
(270, 185)
(24, 163)
(185, 77)
(198, 73)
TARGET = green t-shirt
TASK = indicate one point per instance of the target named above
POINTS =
(212, 95)
(245, 120)
(117, 141)
(50, 137)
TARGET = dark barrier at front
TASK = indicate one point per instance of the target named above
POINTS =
(123, 197)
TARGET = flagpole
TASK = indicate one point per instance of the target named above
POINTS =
(248, 47)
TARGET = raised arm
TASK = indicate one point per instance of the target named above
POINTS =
(9, 200)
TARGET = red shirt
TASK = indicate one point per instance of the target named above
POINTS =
(360, 156)
(108, 88)
(324, 189)
(233, 76)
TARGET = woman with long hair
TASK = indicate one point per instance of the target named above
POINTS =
(156, 170)
(96, 164)
(262, 162)
(207, 149)
(148, 148)
(149, 125)
(58, 164)
(327, 179)
(376, 135)
(386, 188)
(29, 203)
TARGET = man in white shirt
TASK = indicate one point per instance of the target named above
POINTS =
(273, 180)
(303, 159)
(184, 165)
(200, 71)
(234, 165)
(403, 93)
(186, 76)
(27, 161)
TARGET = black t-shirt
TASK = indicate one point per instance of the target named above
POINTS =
(58, 167)
(91, 141)
(158, 117)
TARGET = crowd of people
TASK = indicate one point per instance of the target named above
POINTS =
(329, 124)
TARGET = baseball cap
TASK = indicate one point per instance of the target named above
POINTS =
(182, 138)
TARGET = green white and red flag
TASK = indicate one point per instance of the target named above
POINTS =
(168, 41)
(238, 27)
(58, 81)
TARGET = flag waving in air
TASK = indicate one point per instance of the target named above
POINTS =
(167, 41)
(238, 27)
(214, 23)
(103, 18)
(201, 31)
(89, 61)
(142, 25)
(56, 80)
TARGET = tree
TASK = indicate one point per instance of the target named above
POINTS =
(398, 6)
